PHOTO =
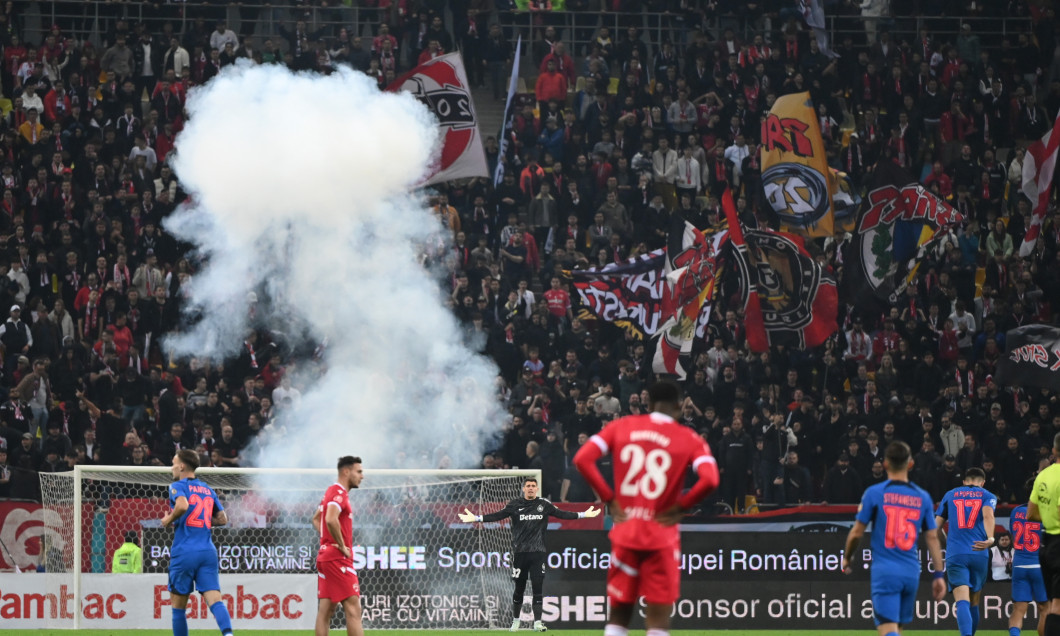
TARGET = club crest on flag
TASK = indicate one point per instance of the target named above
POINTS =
(787, 282)
(797, 191)
(891, 233)
(809, 197)
(441, 85)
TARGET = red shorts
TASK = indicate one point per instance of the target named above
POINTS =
(337, 581)
(653, 574)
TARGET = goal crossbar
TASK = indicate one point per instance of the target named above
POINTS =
(87, 472)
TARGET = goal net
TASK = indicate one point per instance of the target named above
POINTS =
(418, 565)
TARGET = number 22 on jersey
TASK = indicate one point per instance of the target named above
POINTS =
(646, 473)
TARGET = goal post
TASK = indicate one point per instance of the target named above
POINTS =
(418, 564)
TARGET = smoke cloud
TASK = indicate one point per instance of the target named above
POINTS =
(300, 189)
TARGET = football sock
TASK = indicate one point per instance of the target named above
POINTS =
(220, 614)
(975, 619)
(180, 622)
(893, 634)
(964, 618)
(657, 632)
(615, 630)
(1013, 631)
(538, 607)
(517, 609)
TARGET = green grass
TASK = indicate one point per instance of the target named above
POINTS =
(483, 632)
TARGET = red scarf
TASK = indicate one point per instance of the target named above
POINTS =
(121, 276)
(91, 321)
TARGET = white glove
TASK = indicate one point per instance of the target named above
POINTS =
(591, 512)
(468, 517)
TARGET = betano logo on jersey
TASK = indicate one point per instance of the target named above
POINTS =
(531, 517)
(389, 557)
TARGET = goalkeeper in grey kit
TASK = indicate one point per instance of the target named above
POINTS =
(529, 517)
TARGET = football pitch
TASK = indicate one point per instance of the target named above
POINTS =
(865, 632)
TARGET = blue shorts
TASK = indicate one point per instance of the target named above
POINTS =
(1028, 585)
(967, 569)
(893, 598)
(190, 571)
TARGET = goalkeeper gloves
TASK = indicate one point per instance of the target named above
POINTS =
(590, 513)
(468, 517)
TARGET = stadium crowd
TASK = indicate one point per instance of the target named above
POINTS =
(617, 137)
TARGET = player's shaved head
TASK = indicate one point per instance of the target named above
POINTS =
(897, 455)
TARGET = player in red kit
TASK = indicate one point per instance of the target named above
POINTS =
(651, 454)
(336, 579)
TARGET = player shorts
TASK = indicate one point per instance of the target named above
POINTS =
(893, 598)
(967, 569)
(1049, 558)
(337, 580)
(191, 571)
(1028, 585)
(529, 564)
(653, 574)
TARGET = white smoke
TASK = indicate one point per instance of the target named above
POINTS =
(300, 188)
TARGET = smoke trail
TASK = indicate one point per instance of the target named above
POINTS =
(301, 186)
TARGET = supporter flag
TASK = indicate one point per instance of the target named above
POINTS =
(900, 222)
(629, 294)
(813, 13)
(1033, 358)
(643, 293)
(509, 115)
(1039, 165)
(688, 289)
(441, 84)
(796, 178)
(791, 300)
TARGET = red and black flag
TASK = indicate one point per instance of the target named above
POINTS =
(791, 299)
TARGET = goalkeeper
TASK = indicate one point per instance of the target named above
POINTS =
(529, 519)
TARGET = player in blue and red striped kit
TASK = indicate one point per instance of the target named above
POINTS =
(899, 511)
(970, 511)
(1027, 582)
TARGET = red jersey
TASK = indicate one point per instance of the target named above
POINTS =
(558, 302)
(335, 495)
(651, 456)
